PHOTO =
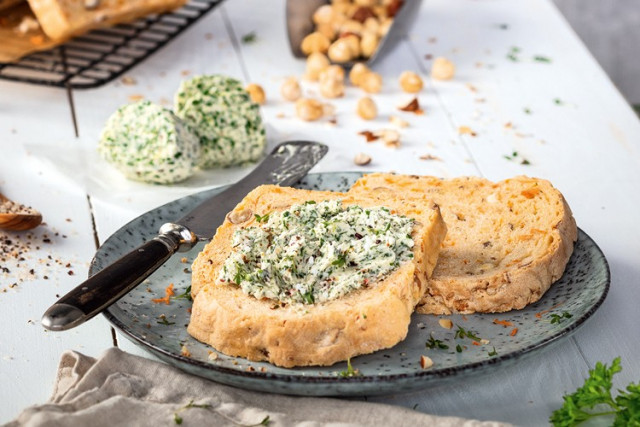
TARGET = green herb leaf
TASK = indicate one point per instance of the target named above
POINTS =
(540, 58)
(263, 218)
(249, 37)
(597, 391)
(434, 343)
(307, 297)
(558, 101)
(527, 111)
(462, 333)
(185, 295)
(350, 372)
(493, 352)
(163, 321)
(459, 348)
(310, 202)
(177, 418)
(559, 318)
(341, 261)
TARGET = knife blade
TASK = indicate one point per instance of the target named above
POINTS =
(285, 165)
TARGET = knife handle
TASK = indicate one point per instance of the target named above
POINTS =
(112, 282)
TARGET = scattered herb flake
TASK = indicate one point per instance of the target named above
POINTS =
(525, 162)
(249, 38)
(540, 58)
(186, 295)
(434, 343)
(463, 333)
(176, 415)
(527, 111)
(493, 352)
(459, 348)
(558, 101)
(163, 321)
(559, 318)
(349, 372)
(263, 218)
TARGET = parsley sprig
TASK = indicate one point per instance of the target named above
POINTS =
(559, 318)
(186, 295)
(434, 343)
(349, 372)
(596, 392)
(463, 333)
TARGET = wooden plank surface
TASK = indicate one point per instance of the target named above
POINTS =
(562, 114)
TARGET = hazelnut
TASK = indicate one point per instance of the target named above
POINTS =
(368, 43)
(315, 42)
(340, 51)
(358, 71)
(332, 71)
(410, 82)
(362, 159)
(362, 14)
(256, 93)
(385, 24)
(323, 15)
(238, 217)
(372, 24)
(328, 30)
(442, 69)
(366, 2)
(354, 44)
(290, 89)
(309, 109)
(371, 82)
(316, 63)
(330, 86)
(367, 109)
(351, 26)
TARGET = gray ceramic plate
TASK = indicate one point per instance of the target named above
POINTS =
(161, 329)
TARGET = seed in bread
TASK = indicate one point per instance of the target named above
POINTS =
(507, 242)
(312, 327)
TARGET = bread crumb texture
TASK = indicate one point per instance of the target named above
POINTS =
(506, 243)
(361, 322)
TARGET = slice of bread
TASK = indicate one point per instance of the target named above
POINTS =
(507, 242)
(360, 322)
(62, 19)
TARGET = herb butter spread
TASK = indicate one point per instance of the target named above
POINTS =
(317, 252)
(149, 143)
(221, 113)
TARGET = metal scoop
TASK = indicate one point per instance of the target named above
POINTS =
(300, 24)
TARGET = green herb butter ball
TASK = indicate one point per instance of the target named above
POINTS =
(221, 113)
(149, 143)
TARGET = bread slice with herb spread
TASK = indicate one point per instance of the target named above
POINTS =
(507, 242)
(300, 277)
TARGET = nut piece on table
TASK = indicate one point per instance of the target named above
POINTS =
(290, 89)
(442, 69)
(390, 137)
(410, 82)
(316, 63)
(256, 93)
(315, 42)
(309, 109)
(362, 159)
(371, 82)
(367, 109)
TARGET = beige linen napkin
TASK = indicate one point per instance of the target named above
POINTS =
(120, 389)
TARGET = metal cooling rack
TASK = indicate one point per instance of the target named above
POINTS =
(102, 55)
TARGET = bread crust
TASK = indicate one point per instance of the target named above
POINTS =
(507, 242)
(361, 322)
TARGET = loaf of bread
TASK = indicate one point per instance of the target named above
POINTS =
(507, 242)
(62, 19)
(362, 321)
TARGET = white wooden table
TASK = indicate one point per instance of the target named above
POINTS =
(565, 117)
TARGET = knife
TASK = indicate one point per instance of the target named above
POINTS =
(285, 165)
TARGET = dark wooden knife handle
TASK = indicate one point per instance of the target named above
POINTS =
(112, 282)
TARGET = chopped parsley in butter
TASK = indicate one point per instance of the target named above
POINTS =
(317, 252)
(221, 113)
(147, 142)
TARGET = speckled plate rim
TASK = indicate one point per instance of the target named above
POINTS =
(422, 376)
